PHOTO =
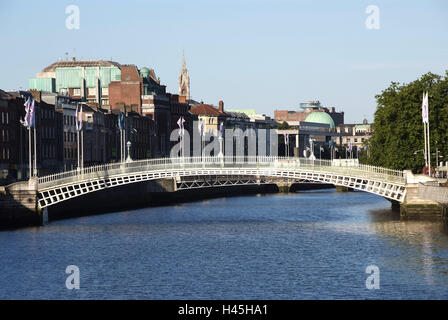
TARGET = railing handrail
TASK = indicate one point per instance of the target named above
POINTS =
(225, 161)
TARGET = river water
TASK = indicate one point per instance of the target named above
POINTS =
(308, 245)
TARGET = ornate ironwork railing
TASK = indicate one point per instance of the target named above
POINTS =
(261, 163)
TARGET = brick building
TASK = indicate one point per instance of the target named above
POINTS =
(111, 86)
(66, 107)
(140, 132)
(126, 94)
(14, 155)
(13, 139)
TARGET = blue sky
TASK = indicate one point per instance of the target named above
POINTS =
(261, 54)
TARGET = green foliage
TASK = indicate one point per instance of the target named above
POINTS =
(283, 126)
(398, 126)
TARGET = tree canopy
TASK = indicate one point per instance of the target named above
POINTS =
(398, 126)
(283, 126)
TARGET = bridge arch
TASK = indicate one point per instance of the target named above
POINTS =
(60, 187)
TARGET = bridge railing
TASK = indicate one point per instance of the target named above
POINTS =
(226, 162)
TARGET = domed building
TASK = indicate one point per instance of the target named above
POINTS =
(312, 136)
(320, 117)
(144, 72)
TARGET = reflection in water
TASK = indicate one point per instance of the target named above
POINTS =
(427, 257)
(426, 237)
(309, 245)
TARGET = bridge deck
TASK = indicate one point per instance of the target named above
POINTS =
(65, 185)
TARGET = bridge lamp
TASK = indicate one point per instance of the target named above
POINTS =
(128, 144)
(415, 152)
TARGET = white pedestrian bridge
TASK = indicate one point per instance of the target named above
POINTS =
(56, 188)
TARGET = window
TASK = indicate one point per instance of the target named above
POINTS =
(105, 102)
(91, 91)
(356, 139)
(348, 139)
(76, 91)
(105, 91)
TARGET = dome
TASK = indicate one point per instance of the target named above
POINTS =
(320, 117)
(144, 72)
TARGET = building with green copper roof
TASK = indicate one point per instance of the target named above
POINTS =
(85, 79)
(320, 117)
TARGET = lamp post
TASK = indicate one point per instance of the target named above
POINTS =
(311, 141)
(331, 144)
(415, 152)
(128, 145)
(30, 154)
(437, 157)
(35, 153)
(424, 154)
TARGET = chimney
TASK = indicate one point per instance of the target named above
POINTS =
(221, 106)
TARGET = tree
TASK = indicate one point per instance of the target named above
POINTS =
(283, 126)
(398, 127)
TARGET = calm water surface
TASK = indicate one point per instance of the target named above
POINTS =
(309, 245)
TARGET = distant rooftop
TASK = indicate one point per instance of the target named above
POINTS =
(237, 115)
(249, 112)
(5, 95)
(80, 63)
(206, 109)
(311, 105)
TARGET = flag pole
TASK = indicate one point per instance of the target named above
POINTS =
(429, 148)
(29, 152)
(426, 104)
(82, 149)
(426, 148)
(78, 151)
(35, 153)
(425, 115)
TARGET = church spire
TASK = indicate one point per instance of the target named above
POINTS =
(184, 79)
(184, 65)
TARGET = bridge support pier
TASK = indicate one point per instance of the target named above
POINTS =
(18, 205)
(415, 207)
(284, 187)
(395, 205)
(343, 189)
